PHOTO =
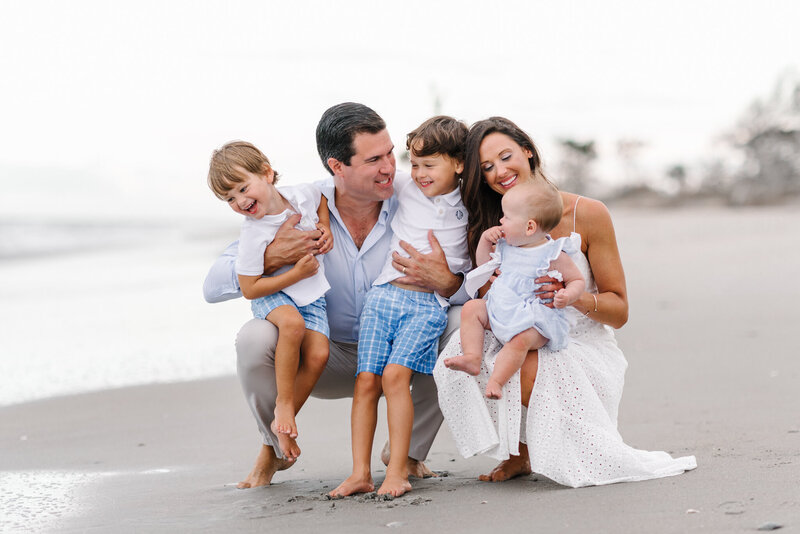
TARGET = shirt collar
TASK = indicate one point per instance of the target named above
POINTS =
(327, 188)
(453, 197)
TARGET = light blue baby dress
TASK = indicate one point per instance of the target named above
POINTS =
(511, 303)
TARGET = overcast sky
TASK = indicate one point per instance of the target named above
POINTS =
(113, 108)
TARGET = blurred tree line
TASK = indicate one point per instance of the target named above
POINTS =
(758, 161)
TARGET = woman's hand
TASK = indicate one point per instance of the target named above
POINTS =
(289, 245)
(325, 241)
(427, 270)
(548, 289)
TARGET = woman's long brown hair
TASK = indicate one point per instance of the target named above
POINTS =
(482, 202)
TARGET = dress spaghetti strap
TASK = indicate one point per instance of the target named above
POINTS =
(575, 214)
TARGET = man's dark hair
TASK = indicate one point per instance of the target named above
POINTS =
(338, 128)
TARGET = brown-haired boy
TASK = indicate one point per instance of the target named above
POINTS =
(401, 323)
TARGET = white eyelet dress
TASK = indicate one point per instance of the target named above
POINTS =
(571, 423)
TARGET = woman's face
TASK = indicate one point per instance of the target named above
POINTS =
(503, 162)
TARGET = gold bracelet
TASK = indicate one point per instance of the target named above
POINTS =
(595, 306)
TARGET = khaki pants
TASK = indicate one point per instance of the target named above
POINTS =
(255, 362)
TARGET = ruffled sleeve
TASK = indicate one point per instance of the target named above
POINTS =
(478, 276)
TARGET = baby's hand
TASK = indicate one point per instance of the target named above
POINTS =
(325, 241)
(560, 300)
(493, 234)
(306, 267)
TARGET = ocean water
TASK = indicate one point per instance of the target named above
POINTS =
(90, 305)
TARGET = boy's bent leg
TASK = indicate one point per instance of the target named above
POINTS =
(255, 365)
(339, 376)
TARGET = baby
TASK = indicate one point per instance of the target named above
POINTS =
(292, 298)
(516, 316)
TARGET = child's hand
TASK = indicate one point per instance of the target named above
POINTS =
(325, 241)
(493, 234)
(560, 300)
(306, 266)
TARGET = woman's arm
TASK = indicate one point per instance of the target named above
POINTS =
(254, 287)
(611, 306)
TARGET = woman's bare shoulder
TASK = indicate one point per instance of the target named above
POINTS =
(592, 216)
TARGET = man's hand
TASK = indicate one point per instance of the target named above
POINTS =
(427, 270)
(548, 289)
(289, 245)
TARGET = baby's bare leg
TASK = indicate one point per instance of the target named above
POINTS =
(363, 418)
(474, 322)
(510, 359)
(400, 414)
(291, 330)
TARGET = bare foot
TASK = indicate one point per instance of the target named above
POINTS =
(284, 420)
(288, 447)
(515, 466)
(394, 486)
(469, 363)
(416, 468)
(494, 390)
(267, 464)
(352, 485)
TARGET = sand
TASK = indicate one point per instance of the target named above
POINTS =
(714, 372)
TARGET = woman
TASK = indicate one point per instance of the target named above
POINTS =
(573, 394)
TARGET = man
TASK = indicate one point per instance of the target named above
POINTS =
(355, 147)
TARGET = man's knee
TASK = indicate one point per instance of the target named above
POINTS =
(255, 344)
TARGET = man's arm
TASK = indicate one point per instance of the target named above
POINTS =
(429, 270)
(221, 282)
(289, 245)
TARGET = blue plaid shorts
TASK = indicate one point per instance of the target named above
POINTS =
(315, 314)
(399, 326)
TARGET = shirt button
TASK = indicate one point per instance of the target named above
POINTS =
(438, 200)
(441, 211)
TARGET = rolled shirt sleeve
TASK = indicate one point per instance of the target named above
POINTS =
(221, 282)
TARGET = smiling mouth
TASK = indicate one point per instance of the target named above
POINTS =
(251, 208)
(425, 183)
(509, 181)
(385, 182)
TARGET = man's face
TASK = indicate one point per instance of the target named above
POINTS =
(370, 175)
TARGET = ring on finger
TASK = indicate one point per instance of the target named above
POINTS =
(404, 270)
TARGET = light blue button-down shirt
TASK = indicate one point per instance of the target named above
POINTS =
(350, 270)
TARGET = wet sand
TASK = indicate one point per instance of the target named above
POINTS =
(713, 371)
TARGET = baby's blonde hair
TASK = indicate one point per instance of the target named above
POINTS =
(541, 201)
(224, 170)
